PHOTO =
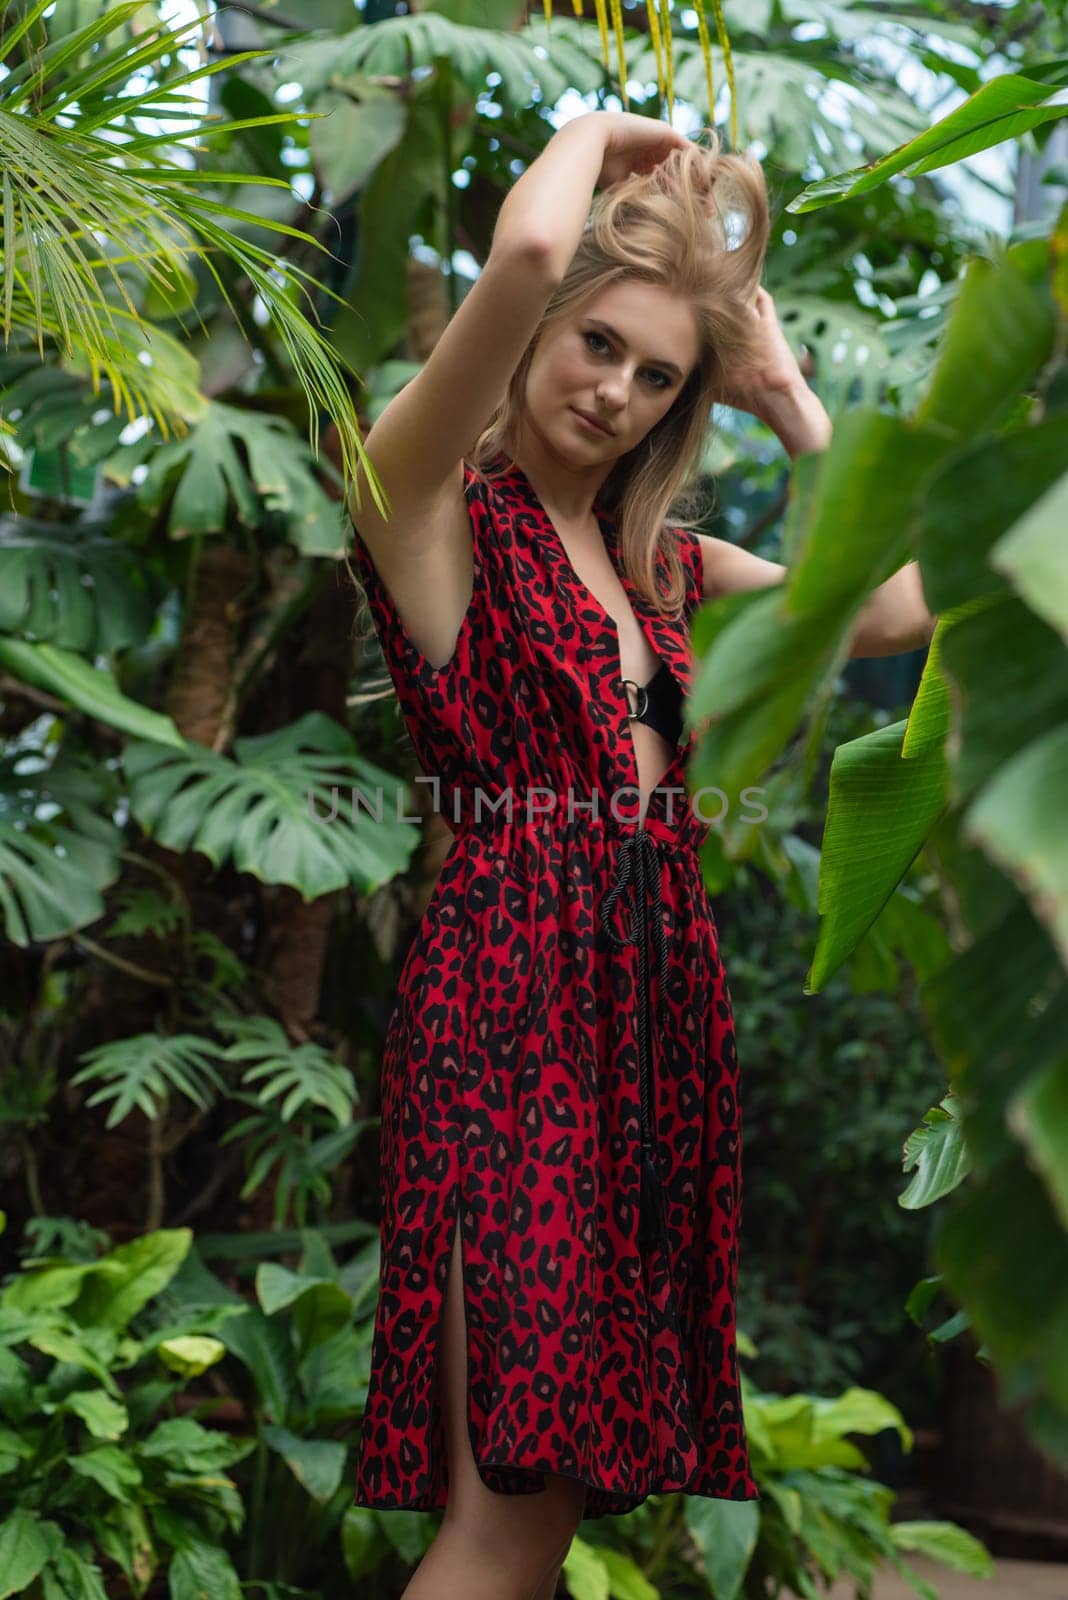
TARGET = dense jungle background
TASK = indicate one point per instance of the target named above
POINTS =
(230, 235)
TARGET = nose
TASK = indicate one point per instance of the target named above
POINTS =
(612, 392)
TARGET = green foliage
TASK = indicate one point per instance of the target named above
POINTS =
(155, 214)
(276, 810)
(211, 477)
(94, 1473)
(121, 246)
(71, 587)
(1003, 109)
(973, 777)
(59, 849)
(146, 1070)
(301, 1127)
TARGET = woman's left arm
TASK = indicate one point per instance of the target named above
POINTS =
(895, 617)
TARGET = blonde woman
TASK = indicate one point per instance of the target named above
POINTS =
(561, 1122)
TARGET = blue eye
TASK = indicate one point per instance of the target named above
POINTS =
(591, 333)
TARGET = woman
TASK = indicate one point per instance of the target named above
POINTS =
(560, 1136)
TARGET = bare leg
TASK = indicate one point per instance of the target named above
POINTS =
(489, 1546)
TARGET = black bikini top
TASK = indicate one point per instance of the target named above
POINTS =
(659, 703)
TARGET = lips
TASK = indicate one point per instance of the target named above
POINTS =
(597, 424)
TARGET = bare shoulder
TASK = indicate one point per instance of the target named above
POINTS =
(728, 568)
(424, 558)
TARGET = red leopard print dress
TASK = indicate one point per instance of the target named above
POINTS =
(550, 1025)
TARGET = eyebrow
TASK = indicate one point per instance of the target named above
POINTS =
(618, 337)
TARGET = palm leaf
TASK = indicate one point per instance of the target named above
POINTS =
(75, 169)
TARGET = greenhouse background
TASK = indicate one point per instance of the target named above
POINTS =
(231, 235)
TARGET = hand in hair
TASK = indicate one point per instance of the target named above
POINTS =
(774, 372)
(635, 144)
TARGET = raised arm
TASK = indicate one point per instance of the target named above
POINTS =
(895, 617)
(417, 443)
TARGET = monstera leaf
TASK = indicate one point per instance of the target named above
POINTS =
(70, 587)
(853, 363)
(58, 849)
(783, 102)
(211, 475)
(397, 46)
(282, 809)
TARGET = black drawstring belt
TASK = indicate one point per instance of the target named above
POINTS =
(639, 859)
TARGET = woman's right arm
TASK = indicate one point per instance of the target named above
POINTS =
(417, 444)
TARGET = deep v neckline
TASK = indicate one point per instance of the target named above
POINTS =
(638, 605)
(640, 608)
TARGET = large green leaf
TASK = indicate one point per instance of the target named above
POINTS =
(26, 1544)
(121, 1284)
(763, 668)
(1009, 676)
(87, 688)
(1018, 817)
(881, 808)
(203, 1572)
(69, 586)
(1033, 554)
(320, 1306)
(775, 650)
(854, 531)
(398, 45)
(282, 809)
(72, 1577)
(402, 186)
(186, 1446)
(317, 1464)
(360, 123)
(1005, 108)
(207, 475)
(115, 1471)
(999, 337)
(984, 490)
(104, 1417)
(725, 1533)
(58, 850)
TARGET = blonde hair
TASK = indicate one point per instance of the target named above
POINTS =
(674, 226)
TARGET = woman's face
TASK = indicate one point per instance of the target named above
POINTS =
(622, 358)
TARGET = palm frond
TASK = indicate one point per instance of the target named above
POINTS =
(82, 192)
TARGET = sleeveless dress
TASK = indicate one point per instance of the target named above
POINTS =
(559, 1079)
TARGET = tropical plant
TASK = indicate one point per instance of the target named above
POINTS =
(97, 1474)
(107, 185)
(818, 1519)
(971, 483)
(182, 705)
(301, 1121)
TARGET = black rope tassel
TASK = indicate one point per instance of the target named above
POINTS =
(638, 860)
